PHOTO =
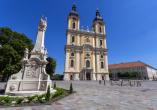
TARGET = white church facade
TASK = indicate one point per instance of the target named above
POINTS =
(85, 51)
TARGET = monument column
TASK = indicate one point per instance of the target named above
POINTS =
(77, 64)
(66, 75)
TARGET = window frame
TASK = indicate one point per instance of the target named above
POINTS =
(101, 42)
(102, 65)
(72, 63)
(73, 39)
(87, 64)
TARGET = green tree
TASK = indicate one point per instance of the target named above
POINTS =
(51, 66)
(12, 49)
(58, 77)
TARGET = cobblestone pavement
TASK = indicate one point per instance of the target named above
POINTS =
(92, 96)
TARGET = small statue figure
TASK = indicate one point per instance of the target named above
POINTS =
(26, 54)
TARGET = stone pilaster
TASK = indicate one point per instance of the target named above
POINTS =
(106, 63)
(99, 77)
(93, 55)
(107, 77)
(66, 76)
(76, 77)
(68, 39)
(78, 40)
(94, 78)
(67, 61)
(77, 61)
(97, 42)
(98, 63)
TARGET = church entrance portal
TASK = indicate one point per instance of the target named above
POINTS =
(88, 76)
(71, 77)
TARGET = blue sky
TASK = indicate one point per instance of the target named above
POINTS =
(131, 25)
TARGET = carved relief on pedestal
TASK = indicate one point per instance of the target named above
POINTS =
(33, 70)
(12, 87)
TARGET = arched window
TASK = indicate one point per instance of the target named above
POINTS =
(101, 42)
(93, 29)
(102, 64)
(87, 63)
(71, 77)
(87, 55)
(73, 25)
(73, 39)
(87, 50)
(87, 39)
(100, 30)
(102, 56)
(72, 54)
(72, 63)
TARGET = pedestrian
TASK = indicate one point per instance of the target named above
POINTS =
(99, 81)
(104, 82)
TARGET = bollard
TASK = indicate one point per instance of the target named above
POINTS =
(111, 82)
(54, 86)
(104, 82)
(134, 83)
(99, 81)
(130, 84)
(140, 83)
(122, 83)
(137, 83)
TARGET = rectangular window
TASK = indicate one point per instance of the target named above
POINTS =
(73, 25)
(100, 42)
(100, 30)
(72, 63)
(73, 39)
(102, 65)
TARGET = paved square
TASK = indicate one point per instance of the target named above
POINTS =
(92, 96)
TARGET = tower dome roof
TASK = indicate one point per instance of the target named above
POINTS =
(98, 16)
(74, 11)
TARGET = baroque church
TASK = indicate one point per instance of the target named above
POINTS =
(85, 50)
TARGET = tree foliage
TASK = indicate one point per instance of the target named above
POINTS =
(51, 66)
(128, 74)
(58, 77)
(12, 49)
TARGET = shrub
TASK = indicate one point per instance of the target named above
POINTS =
(30, 99)
(7, 100)
(59, 92)
(57, 77)
(35, 99)
(41, 98)
(19, 100)
(48, 96)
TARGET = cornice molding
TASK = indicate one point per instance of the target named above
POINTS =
(81, 48)
(85, 33)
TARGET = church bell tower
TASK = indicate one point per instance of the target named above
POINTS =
(98, 24)
(73, 19)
